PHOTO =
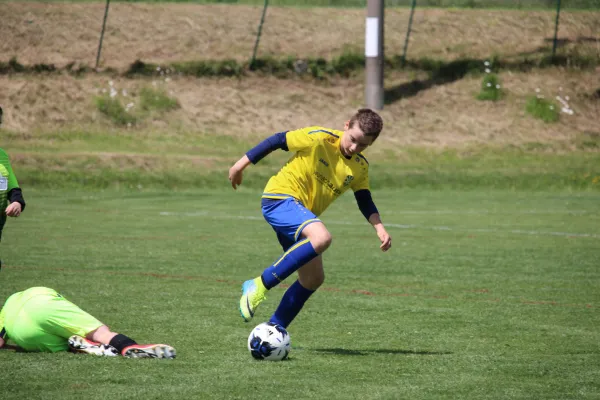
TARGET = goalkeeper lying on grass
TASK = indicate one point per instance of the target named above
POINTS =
(40, 319)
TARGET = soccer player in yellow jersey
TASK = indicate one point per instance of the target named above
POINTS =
(326, 163)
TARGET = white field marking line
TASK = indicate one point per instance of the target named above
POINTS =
(485, 212)
(399, 226)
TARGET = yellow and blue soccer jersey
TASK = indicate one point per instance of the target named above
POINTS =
(318, 173)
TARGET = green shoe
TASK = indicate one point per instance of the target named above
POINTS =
(253, 293)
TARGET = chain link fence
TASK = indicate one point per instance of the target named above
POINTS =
(518, 4)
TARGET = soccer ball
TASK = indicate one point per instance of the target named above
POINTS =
(269, 341)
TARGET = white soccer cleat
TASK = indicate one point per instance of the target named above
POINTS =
(78, 344)
(149, 351)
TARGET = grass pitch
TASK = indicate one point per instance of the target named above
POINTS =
(485, 294)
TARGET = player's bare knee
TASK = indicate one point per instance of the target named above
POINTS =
(319, 236)
(322, 241)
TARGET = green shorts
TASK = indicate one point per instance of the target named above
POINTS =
(40, 319)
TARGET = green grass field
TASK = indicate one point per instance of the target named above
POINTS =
(185, 160)
(486, 293)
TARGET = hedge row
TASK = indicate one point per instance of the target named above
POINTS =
(346, 65)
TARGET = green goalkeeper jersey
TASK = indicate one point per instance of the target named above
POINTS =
(8, 181)
(40, 319)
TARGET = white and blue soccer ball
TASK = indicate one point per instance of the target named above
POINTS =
(269, 341)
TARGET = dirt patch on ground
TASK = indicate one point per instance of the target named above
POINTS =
(61, 33)
(444, 115)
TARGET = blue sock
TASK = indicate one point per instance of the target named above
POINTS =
(296, 256)
(291, 303)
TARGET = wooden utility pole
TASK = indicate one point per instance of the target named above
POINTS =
(374, 54)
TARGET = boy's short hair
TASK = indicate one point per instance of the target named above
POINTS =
(369, 122)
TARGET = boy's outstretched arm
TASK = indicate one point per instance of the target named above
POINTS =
(254, 155)
(235, 172)
(368, 209)
(386, 239)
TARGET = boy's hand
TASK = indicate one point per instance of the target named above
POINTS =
(235, 176)
(14, 209)
(235, 172)
(386, 239)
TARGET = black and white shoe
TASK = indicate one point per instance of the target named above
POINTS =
(149, 351)
(78, 344)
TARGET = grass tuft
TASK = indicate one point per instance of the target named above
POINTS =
(113, 109)
(157, 100)
(490, 88)
(542, 108)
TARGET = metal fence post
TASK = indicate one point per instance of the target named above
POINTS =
(102, 33)
(410, 19)
(556, 29)
(262, 21)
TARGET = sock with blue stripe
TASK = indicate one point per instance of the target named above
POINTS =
(291, 303)
(297, 255)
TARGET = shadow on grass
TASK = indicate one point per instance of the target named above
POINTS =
(442, 72)
(560, 43)
(579, 39)
(366, 352)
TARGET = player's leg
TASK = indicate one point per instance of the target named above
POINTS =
(102, 334)
(291, 220)
(103, 341)
(310, 277)
(68, 324)
(128, 347)
(314, 240)
(311, 238)
(120, 344)
(319, 236)
(83, 333)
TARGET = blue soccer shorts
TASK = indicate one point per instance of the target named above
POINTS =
(288, 217)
